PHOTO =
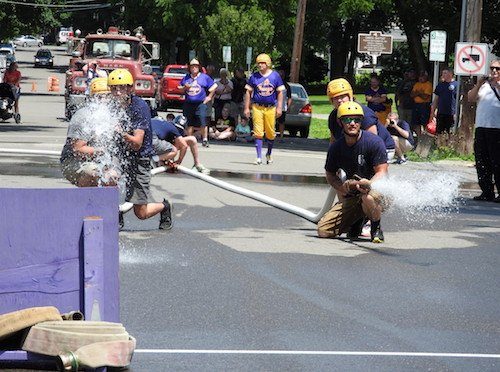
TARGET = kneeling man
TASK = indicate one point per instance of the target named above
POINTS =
(363, 158)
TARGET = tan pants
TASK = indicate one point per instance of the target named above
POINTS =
(344, 214)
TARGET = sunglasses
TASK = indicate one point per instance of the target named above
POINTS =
(495, 68)
(349, 120)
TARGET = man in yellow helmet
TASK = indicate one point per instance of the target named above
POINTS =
(138, 137)
(353, 162)
(83, 159)
(265, 91)
(340, 91)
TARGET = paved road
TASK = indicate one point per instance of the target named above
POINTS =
(237, 275)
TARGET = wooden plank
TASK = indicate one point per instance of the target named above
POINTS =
(93, 260)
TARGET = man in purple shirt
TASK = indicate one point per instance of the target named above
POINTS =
(265, 91)
(199, 89)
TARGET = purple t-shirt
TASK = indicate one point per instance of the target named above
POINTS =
(359, 158)
(376, 106)
(199, 88)
(265, 88)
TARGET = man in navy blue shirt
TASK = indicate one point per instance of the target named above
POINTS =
(362, 157)
(340, 91)
(445, 102)
(138, 138)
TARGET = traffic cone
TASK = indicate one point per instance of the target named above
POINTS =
(55, 85)
(49, 83)
(33, 86)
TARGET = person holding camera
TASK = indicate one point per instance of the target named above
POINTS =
(487, 134)
(402, 135)
(362, 156)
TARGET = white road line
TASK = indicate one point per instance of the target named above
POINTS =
(312, 352)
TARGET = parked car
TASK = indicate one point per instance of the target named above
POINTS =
(7, 58)
(44, 58)
(298, 116)
(10, 47)
(28, 40)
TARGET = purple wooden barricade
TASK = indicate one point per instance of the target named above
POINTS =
(59, 247)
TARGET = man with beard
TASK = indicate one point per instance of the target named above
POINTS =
(361, 155)
(138, 136)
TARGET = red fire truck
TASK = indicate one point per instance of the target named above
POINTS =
(113, 49)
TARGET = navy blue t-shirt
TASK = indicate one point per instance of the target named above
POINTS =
(447, 93)
(369, 119)
(140, 118)
(360, 158)
(379, 92)
(405, 126)
(165, 130)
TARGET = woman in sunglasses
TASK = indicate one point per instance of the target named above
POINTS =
(487, 135)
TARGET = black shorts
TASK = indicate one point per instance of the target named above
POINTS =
(195, 113)
(444, 123)
(281, 119)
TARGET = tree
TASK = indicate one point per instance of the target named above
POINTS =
(239, 27)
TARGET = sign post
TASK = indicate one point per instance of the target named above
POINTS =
(437, 53)
(226, 54)
(375, 44)
(249, 59)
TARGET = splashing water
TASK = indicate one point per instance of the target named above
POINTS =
(102, 121)
(421, 196)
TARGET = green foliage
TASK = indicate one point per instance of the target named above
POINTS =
(239, 27)
(440, 153)
(319, 129)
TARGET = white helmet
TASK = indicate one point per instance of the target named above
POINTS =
(180, 122)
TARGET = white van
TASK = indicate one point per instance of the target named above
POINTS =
(64, 34)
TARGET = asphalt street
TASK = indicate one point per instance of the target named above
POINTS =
(238, 285)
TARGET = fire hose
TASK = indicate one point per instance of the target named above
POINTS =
(290, 208)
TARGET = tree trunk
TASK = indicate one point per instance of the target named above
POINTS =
(410, 26)
(341, 43)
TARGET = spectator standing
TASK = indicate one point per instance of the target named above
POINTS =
(487, 135)
(359, 154)
(376, 96)
(222, 93)
(287, 101)
(199, 89)
(422, 96)
(12, 76)
(138, 137)
(239, 81)
(403, 98)
(265, 92)
(444, 104)
(401, 134)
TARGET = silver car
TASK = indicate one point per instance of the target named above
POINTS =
(28, 40)
(298, 116)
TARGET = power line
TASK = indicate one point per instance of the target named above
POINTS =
(38, 5)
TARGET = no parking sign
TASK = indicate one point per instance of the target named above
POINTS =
(471, 59)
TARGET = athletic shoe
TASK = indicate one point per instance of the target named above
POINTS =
(355, 229)
(121, 222)
(166, 222)
(377, 235)
(366, 231)
(269, 159)
(258, 161)
(484, 197)
(201, 168)
(401, 161)
(497, 199)
(204, 143)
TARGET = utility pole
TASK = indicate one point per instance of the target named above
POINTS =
(297, 41)
(467, 112)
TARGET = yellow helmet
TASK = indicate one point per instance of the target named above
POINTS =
(264, 58)
(349, 109)
(338, 87)
(99, 86)
(120, 76)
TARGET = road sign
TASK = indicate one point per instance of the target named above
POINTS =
(249, 55)
(226, 53)
(375, 43)
(471, 59)
(437, 46)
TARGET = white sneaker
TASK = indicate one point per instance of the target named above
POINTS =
(201, 168)
(258, 161)
(269, 159)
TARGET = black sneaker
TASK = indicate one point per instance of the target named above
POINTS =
(484, 197)
(204, 143)
(121, 222)
(377, 235)
(356, 229)
(166, 222)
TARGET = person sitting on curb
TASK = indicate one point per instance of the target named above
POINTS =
(243, 131)
(362, 156)
(401, 134)
(224, 126)
(169, 142)
(82, 161)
